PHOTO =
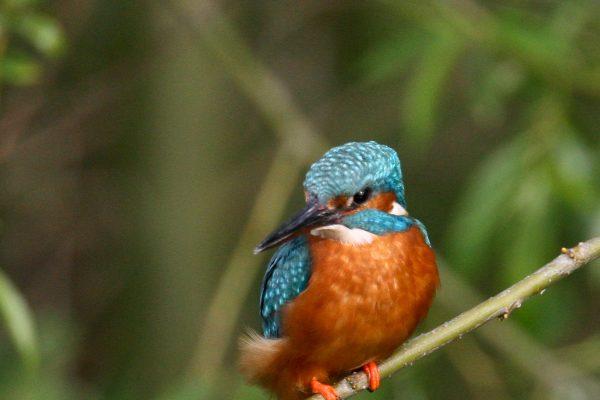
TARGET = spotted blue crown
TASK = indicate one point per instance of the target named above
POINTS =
(346, 169)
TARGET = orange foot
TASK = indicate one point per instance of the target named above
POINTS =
(372, 372)
(327, 391)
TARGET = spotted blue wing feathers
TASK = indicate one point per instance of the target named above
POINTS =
(286, 277)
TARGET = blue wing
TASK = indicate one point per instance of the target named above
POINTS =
(286, 277)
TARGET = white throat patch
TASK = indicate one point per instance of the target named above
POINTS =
(397, 209)
(344, 234)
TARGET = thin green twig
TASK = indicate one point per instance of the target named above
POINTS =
(508, 339)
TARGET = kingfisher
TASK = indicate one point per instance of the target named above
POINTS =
(352, 277)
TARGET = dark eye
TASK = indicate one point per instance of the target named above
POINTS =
(361, 196)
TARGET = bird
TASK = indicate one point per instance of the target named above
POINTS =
(352, 277)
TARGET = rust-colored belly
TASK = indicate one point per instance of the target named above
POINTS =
(362, 301)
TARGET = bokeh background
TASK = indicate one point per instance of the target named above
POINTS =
(147, 146)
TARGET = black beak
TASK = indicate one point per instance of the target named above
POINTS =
(312, 214)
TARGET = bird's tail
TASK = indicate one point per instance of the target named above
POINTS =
(263, 362)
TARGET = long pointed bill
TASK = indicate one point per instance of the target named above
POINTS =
(312, 214)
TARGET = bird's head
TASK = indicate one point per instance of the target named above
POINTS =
(348, 179)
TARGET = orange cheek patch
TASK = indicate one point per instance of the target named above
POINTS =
(337, 202)
(383, 201)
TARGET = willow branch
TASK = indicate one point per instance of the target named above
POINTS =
(510, 339)
(499, 306)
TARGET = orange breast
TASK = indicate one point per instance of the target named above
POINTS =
(361, 302)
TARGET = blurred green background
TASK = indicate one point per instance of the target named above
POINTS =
(146, 147)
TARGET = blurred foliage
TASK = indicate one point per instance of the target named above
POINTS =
(133, 177)
(23, 24)
(27, 36)
(19, 322)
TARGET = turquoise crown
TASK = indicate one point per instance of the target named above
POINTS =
(351, 167)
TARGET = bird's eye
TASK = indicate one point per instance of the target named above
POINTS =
(361, 196)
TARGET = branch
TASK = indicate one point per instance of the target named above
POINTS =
(510, 339)
(499, 306)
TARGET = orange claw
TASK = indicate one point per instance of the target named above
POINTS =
(327, 391)
(372, 372)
